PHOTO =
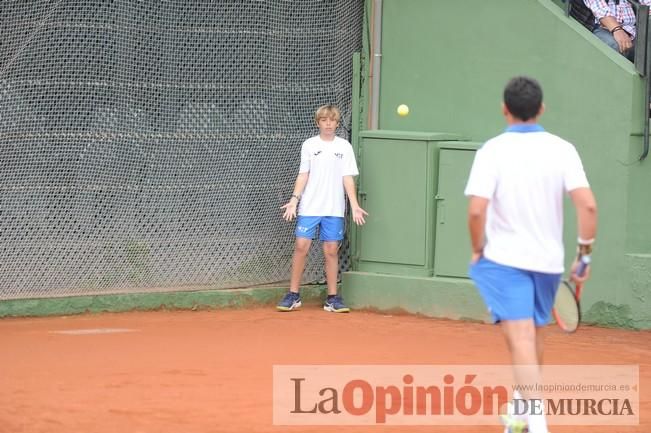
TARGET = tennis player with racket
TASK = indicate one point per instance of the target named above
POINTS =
(515, 217)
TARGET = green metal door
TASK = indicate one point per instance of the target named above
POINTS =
(394, 193)
(452, 246)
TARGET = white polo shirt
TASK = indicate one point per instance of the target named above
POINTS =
(525, 172)
(327, 163)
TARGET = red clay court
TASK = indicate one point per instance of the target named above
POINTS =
(211, 371)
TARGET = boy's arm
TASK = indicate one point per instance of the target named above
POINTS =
(357, 212)
(477, 225)
(586, 217)
(299, 186)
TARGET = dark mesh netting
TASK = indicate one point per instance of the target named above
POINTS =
(148, 145)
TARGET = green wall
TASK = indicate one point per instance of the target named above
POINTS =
(449, 62)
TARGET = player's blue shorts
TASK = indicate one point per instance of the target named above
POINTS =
(515, 294)
(331, 229)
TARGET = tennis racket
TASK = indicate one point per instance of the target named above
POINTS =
(567, 306)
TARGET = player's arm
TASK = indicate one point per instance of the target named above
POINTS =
(477, 208)
(586, 212)
(586, 217)
(299, 186)
(357, 212)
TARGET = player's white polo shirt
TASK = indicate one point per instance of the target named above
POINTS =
(525, 172)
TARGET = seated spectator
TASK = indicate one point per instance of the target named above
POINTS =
(615, 24)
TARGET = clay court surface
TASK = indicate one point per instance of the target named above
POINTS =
(211, 371)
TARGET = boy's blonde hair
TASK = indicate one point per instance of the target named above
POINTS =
(327, 111)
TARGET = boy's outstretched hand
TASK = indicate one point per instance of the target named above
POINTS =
(358, 215)
(290, 210)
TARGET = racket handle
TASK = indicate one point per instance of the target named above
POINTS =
(584, 262)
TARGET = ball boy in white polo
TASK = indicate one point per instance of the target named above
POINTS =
(326, 172)
(515, 218)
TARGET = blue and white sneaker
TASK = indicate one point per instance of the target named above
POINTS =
(290, 301)
(336, 305)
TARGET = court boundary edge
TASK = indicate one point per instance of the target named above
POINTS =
(178, 300)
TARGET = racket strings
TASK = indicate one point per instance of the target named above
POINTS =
(566, 309)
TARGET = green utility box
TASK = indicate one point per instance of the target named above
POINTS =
(409, 200)
(452, 241)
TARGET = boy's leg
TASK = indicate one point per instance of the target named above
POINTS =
(332, 233)
(302, 247)
(305, 229)
(331, 254)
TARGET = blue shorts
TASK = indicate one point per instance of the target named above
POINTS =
(331, 229)
(515, 294)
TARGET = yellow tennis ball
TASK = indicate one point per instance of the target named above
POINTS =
(403, 110)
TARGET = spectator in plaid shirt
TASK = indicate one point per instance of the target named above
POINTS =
(615, 23)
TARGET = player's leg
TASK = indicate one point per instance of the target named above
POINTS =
(521, 337)
(526, 342)
(508, 293)
(545, 288)
(332, 233)
(305, 229)
(540, 342)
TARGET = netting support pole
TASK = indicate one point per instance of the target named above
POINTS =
(376, 63)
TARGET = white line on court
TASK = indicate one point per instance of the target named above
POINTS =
(93, 331)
